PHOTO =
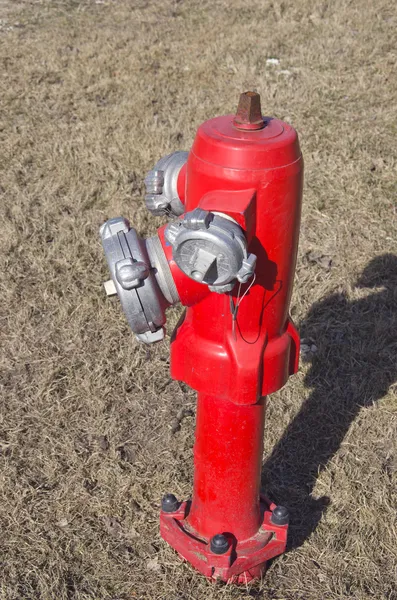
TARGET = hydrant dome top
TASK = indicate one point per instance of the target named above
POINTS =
(219, 142)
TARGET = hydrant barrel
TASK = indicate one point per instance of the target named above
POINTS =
(227, 465)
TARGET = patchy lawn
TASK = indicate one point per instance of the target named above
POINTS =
(93, 94)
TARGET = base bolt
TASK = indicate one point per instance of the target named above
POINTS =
(280, 516)
(219, 544)
(169, 503)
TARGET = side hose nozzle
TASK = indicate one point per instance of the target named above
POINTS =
(140, 276)
(211, 248)
(162, 196)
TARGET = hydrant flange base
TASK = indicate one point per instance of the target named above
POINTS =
(244, 561)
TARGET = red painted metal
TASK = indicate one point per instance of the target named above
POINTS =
(227, 456)
(245, 559)
(234, 350)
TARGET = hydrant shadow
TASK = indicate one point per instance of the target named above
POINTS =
(354, 366)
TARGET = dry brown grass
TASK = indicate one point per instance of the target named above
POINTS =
(93, 94)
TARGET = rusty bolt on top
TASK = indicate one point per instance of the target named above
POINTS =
(249, 114)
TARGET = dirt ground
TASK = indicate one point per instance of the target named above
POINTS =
(92, 431)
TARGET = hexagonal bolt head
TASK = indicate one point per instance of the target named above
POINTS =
(169, 503)
(249, 113)
(280, 516)
(219, 544)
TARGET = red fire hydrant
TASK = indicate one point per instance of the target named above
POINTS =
(229, 258)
